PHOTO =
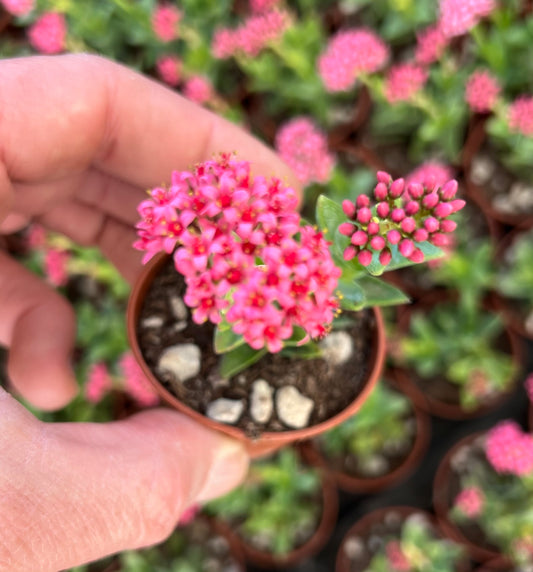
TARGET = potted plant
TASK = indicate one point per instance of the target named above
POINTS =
(377, 447)
(264, 285)
(398, 539)
(284, 512)
(483, 494)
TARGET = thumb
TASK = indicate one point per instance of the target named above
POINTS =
(72, 493)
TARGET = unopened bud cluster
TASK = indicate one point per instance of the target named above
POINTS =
(404, 215)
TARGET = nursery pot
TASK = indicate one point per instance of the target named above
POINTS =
(498, 565)
(359, 485)
(443, 497)
(268, 441)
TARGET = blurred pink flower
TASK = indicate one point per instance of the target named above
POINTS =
(258, 6)
(55, 266)
(135, 382)
(470, 502)
(198, 89)
(397, 559)
(430, 173)
(18, 7)
(169, 69)
(165, 22)
(459, 16)
(521, 115)
(98, 382)
(348, 54)
(36, 237)
(482, 90)
(509, 449)
(431, 44)
(403, 81)
(188, 515)
(48, 33)
(305, 149)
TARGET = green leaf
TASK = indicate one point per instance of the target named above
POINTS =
(239, 359)
(398, 261)
(309, 350)
(329, 215)
(227, 340)
(380, 293)
(353, 296)
(298, 334)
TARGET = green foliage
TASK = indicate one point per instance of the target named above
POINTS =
(515, 279)
(275, 504)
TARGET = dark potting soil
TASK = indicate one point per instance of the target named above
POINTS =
(331, 388)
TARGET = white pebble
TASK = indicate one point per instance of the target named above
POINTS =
(178, 308)
(225, 410)
(294, 409)
(153, 322)
(261, 401)
(183, 361)
(337, 347)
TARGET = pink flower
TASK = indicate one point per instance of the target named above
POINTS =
(398, 561)
(36, 237)
(18, 7)
(521, 115)
(258, 6)
(198, 89)
(98, 382)
(348, 54)
(509, 449)
(459, 16)
(529, 387)
(189, 515)
(48, 33)
(55, 266)
(165, 22)
(470, 502)
(135, 382)
(430, 174)
(305, 149)
(431, 44)
(403, 81)
(482, 90)
(169, 70)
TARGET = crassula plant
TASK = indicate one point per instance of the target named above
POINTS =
(496, 491)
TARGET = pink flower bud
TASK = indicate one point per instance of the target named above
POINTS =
(381, 191)
(397, 215)
(394, 236)
(364, 257)
(383, 177)
(346, 228)
(372, 228)
(397, 187)
(430, 183)
(408, 225)
(348, 208)
(406, 247)
(383, 209)
(359, 238)
(377, 243)
(416, 190)
(430, 201)
(349, 253)
(439, 239)
(431, 224)
(417, 256)
(364, 215)
(457, 204)
(420, 235)
(442, 210)
(449, 190)
(411, 208)
(385, 257)
(448, 225)
(362, 201)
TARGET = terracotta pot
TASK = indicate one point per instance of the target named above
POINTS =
(443, 498)
(362, 527)
(432, 405)
(353, 484)
(330, 503)
(498, 565)
(268, 441)
(5, 19)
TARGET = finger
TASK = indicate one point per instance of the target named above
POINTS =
(38, 326)
(6, 194)
(88, 490)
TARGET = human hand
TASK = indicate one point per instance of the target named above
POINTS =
(81, 139)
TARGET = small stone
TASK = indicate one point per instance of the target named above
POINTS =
(152, 322)
(482, 169)
(261, 401)
(179, 310)
(375, 543)
(225, 410)
(396, 447)
(337, 347)
(374, 466)
(392, 519)
(354, 547)
(179, 326)
(183, 361)
(294, 409)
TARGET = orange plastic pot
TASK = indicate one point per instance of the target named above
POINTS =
(268, 441)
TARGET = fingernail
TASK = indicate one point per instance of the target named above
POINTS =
(228, 469)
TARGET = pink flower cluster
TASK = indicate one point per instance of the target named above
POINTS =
(397, 559)
(431, 44)
(165, 21)
(404, 81)
(509, 449)
(348, 54)
(305, 149)
(169, 70)
(222, 220)
(404, 215)
(470, 502)
(98, 382)
(18, 7)
(521, 115)
(55, 266)
(482, 90)
(259, 6)
(253, 36)
(135, 382)
(459, 16)
(429, 174)
(48, 33)
(198, 89)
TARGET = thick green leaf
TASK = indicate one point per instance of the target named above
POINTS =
(329, 215)
(380, 293)
(227, 340)
(309, 350)
(239, 359)
(398, 261)
(298, 334)
(353, 296)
